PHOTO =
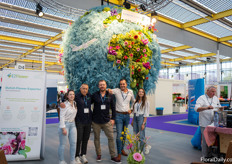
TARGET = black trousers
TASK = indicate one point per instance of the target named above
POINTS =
(83, 133)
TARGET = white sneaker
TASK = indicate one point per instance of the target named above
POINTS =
(73, 162)
(62, 162)
(78, 161)
(147, 149)
(84, 160)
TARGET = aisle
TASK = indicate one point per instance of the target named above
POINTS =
(167, 148)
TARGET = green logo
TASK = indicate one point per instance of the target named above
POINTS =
(16, 76)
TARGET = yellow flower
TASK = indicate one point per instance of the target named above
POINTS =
(114, 36)
(121, 138)
(122, 133)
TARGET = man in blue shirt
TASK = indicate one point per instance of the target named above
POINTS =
(103, 102)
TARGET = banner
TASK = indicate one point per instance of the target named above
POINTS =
(135, 17)
(22, 114)
(195, 90)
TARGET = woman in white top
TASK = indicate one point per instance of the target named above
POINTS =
(67, 128)
(141, 112)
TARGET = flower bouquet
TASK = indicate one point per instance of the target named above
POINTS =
(133, 145)
(13, 143)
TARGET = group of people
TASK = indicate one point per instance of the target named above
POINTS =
(77, 118)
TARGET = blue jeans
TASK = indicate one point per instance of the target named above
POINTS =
(122, 120)
(137, 124)
(72, 136)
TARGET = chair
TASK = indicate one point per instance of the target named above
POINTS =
(2, 157)
(228, 155)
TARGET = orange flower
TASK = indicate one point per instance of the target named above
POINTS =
(149, 67)
(133, 67)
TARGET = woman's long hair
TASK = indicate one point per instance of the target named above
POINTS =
(144, 99)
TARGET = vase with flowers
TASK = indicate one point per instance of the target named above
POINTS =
(133, 145)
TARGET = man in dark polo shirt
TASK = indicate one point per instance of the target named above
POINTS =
(83, 122)
(103, 102)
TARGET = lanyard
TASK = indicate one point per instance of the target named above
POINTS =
(124, 98)
(208, 100)
(103, 99)
(138, 106)
(85, 100)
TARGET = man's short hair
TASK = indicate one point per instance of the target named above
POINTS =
(210, 87)
(101, 81)
(122, 80)
(84, 84)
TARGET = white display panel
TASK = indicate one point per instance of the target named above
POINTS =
(22, 114)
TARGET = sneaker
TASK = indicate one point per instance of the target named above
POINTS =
(78, 161)
(84, 160)
(62, 162)
(98, 158)
(73, 162)
(115, 160)
(147, 149)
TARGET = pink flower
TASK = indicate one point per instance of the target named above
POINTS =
(132, 73)
(129, 146)
(137, 156)
(109, 48)
(138, 49)
(131, 55)
(22, 144)
(129, 46)
(126, 43)
(117, 47)
(144, 50)
(125, 57)
(145, 55)
(145, 41)
(7, 149)
(118, 61)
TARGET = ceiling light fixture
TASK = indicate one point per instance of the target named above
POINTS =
(39, 10)
(127, 5)
(143, 7)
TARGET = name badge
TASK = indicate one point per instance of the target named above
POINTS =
(137, 114)
(86, 110)
(103, 107)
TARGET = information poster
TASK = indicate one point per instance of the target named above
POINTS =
(195, 90)
(22, 114)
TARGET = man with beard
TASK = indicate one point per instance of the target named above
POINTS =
(103, 102)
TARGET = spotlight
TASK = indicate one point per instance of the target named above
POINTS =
(153, 21)
(127, 5)
(39, 10)
(154, 13)
(143, 7)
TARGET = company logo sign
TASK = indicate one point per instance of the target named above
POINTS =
(10, 75)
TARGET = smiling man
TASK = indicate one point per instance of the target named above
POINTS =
(124, 97)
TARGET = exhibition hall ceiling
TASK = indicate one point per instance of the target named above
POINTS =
(23, 34)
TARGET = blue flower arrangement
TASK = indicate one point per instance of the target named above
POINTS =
(86, 45)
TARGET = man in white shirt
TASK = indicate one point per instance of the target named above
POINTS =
(206, 105)
(124, 97)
